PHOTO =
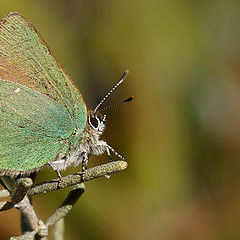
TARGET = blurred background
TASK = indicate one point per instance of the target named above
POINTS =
(181, 136)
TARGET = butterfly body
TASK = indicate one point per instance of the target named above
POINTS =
(82, 146)
(43, 117)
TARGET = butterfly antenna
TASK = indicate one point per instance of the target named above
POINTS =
(117, 104)
(110, 92)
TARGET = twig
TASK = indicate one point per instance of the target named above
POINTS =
(59, 214)
(22, 186)
(28, 212)
(67, 204)
(74, 179)
(4, 193)
(58, 231)
(39, 230)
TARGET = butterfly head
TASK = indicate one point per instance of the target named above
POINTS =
(96, 121)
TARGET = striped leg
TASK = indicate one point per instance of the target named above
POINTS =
(114, 152)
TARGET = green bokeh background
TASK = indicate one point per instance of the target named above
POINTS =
(181, 136)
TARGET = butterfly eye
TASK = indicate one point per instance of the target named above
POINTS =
(94, 122)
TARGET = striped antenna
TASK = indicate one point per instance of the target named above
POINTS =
(110, 92)
(117, 104)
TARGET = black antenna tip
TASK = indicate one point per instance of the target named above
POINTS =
(129, 99)
(125, 74)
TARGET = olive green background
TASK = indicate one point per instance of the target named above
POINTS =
(181, 136)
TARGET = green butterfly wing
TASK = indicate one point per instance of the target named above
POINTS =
(32, 128)
(40, 106)
(26, 59)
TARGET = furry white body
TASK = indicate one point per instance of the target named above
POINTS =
(90, 144)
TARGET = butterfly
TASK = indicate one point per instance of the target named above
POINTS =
(43, 117)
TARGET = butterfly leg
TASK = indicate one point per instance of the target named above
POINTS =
(84, 157)
(108, 148)
(55, 167)
(109, 154)
(59, 174)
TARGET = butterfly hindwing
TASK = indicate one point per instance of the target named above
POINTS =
(33, 128)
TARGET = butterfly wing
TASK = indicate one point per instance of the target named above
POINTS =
(26, 59)
(39, 105)
(33, 128)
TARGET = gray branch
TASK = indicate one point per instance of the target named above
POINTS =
(21, 187)
(20, 199)
(73, 179)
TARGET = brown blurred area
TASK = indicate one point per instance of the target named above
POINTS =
(181, 135)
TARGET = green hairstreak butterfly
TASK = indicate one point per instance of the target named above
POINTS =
(43, 117)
